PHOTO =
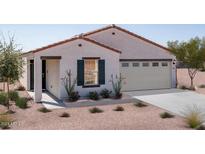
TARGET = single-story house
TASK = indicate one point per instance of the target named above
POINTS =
(94, 57)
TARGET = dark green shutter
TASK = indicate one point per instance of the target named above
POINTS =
(101, 69)
(80, 72)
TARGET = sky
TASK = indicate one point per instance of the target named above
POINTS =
(30, 37)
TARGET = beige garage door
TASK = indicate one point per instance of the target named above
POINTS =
(142, 75)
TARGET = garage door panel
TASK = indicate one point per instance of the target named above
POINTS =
(141, 78)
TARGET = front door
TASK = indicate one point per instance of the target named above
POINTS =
(44, 74)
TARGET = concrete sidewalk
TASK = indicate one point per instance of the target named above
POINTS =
(48, 101)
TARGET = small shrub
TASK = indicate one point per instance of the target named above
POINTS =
(5, 121)
(28, 98)
(95, 110)
(93, 95)
(118, 95)
(201, 127)
(21, 103)
(69, 86)
(74, 96)
(65, 115)
(44, 110)
(194, 117)
(119, 108)
(166, 115)
(183, 87)
(117, 85)
(21, 88)
(3, 98)
(13, 95)
(202, 86)
(105, 93)
(140, 104)
(10, 112)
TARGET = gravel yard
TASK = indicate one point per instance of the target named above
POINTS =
(80, 118)
(132, 118)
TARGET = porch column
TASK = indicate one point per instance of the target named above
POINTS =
(37, 79)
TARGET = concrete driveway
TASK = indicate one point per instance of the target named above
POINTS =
(174, 100)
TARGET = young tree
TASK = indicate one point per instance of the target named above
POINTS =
(191, 54)
(11, 63)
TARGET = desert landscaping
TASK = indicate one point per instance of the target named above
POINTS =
(132, 118)
(129, 117)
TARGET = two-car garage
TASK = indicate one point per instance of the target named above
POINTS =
(146, 74)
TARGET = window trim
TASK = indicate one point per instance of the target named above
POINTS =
(145, 63)
(155, 63)
(125, 63)
(136, 63)
(92, 85)
(164, 63)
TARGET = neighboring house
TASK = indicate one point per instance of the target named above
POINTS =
(94, 57)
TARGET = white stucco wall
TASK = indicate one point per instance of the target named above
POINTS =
(71, 52)
(131, 47)
(134, 48)
(52, 77)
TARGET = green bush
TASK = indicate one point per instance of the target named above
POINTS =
(95, 110)
(194, 117)
(105, 93)
(166, 115)
(93, 95)
(21, 103)
(119, 108)
(3, 98)
(44, 110)
(13, 95)
(140, 104)
(74, 96)
(65, 115)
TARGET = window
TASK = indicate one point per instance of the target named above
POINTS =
(135, 64)
(90, 72)
(125, 64)
(155, 64)
(145, 64)
(164, 64)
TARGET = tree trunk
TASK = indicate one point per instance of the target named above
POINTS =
(192, 74)
(192, 83)
(3, 86)
(8, 94)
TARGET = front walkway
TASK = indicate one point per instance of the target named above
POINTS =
(49, 101)
(88, 102)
